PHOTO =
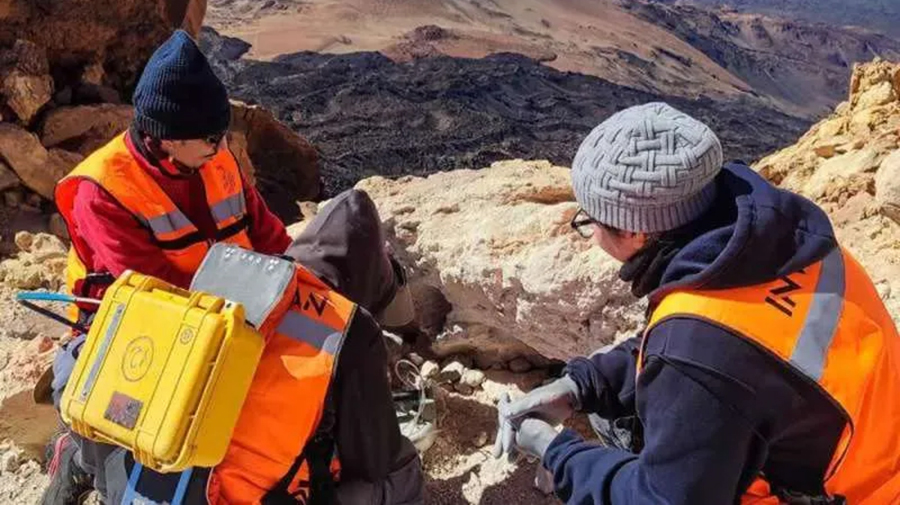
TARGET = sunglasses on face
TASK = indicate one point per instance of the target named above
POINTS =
(583, 224)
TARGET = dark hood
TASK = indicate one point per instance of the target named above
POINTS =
(344, 246)
(754, 233)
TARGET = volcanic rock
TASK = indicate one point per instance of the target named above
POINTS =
(283, 164)
(368, 115)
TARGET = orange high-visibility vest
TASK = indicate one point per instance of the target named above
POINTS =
(286, 401)
(828, 324)
(115, 169)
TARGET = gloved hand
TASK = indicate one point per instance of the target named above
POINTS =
(553, 403)
(534, 436)
(531, 435)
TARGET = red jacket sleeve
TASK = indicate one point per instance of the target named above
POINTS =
(117, 242)
(267, 233)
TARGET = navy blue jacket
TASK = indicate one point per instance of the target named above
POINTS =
(715, 409)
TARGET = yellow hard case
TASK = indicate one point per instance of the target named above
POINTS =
(164, 373)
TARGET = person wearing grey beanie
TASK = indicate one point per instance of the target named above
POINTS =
(748, 382)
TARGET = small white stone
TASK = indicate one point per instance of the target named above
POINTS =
(453, 372)
(473, 378)
(429, 369)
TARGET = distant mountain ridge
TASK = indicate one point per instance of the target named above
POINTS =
(660, 47)
(803, 67)
(880, 15)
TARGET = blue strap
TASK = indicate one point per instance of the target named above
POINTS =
(181, 490)
(128, 498)
(44, 296)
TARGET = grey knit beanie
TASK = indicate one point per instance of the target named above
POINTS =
(647, 169)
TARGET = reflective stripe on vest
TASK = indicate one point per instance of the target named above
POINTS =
(287, 396)
(829, 325)
(115, 169)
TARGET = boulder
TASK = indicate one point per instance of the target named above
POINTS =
(25, 80)
(26, 94)
(38, 168)
(839, 170)
(85, 128)
(284, 166)
(497, 245)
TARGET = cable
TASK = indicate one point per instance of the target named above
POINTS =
(418, 383)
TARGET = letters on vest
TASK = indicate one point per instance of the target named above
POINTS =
(828, 324)
(116, 170)
(275, 446)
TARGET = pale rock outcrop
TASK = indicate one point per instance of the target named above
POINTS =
(496, 246)
(41, 262)
(849, 164)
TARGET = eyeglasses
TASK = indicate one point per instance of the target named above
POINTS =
(583, 224)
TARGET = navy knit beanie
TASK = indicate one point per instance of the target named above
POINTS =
(179, 97)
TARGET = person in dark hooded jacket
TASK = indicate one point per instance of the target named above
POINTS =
(702, 414)
(344, 247)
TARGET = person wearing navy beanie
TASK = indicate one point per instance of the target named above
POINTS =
(180, 103)
(153, 200)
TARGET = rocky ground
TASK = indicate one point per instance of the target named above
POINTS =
(368, 115)
(27, 345)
